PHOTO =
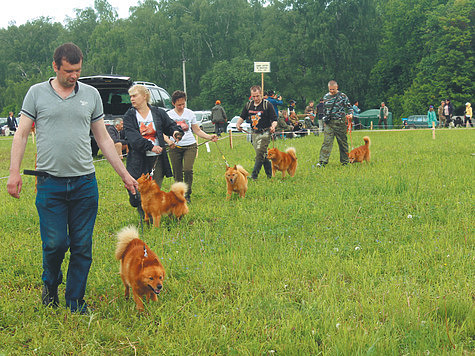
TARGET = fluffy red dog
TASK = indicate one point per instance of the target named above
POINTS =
(362, 153)
(283, 161)
(236, 181)
(140, 268)
(156, 203)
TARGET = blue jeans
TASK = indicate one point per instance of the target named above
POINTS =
(67, 208)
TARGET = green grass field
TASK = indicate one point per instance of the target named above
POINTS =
(371, 259)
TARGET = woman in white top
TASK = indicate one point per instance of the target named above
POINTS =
(183, 153)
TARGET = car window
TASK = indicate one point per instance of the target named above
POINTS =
(166, 99)
(156, 98)
(115, 101)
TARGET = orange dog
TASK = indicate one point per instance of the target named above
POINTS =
(140, 268)
(283, 161)
(236, 180)
(156, 203)
(362, 153)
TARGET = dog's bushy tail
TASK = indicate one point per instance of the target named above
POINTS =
(242, 170)
(367, 141)
(291, 151)
(124, 237)
(179, 188)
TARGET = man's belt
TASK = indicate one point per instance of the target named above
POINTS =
(36, 173)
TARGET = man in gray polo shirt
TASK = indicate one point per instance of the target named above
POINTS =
(64, 111)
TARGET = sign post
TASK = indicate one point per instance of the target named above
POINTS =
(262, 67)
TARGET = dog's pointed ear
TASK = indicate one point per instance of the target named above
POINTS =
(235, 167)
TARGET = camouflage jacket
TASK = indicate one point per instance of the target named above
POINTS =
(340, 109)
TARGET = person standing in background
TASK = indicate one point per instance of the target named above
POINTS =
(431, 117)
(440, 114)
(383, 115)
(468, 114)
(218, 118)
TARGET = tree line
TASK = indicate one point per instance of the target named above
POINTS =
(407, 53)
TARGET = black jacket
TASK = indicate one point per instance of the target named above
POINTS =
(138, 145)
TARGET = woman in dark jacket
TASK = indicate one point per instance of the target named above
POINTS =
(144, 127)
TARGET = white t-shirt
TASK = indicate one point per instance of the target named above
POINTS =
(187, 119)
(147, 124)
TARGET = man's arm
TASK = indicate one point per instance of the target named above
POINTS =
(20, 140)
(107, 147)
(238, 124)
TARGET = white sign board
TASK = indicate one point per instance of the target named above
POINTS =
(261, 67)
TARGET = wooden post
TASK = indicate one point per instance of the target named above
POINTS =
(371, 125)
(433, 130)
(262, 83)
(231, 139)
(196, 138)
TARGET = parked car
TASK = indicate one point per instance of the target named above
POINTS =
(202, 115)
(207, 126)
(418, 121)
(3, 125)
(113, 90)
(232, 125)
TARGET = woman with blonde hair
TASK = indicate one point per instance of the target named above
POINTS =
(144, 127)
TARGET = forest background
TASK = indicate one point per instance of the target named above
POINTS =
(408, 53)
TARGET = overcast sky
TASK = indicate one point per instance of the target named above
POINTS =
(21, 11)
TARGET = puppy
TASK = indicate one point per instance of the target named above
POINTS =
(362, 153)
(156, 203)
(283, 161)
(140, 268)
(236, 180)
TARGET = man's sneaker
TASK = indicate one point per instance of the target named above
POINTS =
(49, 296)
(320, 165)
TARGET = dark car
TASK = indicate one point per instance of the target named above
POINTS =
(113, 90)
(418, 121)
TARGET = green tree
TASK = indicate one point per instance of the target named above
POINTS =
(446, 70)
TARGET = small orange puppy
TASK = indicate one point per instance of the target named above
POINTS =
(362, 153)
(156, 203)
(283, 161)
(140, 268)
(236, 179)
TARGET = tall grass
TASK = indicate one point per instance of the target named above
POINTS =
(371, 259)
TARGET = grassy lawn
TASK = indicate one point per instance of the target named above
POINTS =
(373, 259)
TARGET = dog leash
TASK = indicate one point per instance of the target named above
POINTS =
(222, 155)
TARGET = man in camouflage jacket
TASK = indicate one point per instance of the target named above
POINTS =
(337, 109)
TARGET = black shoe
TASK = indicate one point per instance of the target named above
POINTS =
(188, 199)
(49, 296)
(320, 165)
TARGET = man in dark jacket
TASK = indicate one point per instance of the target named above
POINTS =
(11, 122)
(448, 112)
(120, 142)
(218, 118)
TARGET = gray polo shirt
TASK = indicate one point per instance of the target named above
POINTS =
(62, 127)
